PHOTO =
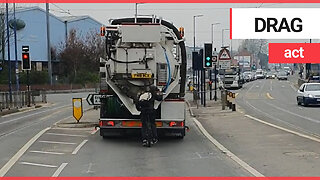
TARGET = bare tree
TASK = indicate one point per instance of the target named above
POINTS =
(79, 57)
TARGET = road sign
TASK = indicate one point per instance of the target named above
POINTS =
(94, 99)
(77, 108)
(224, 64)
(224, 54)
(214, 59)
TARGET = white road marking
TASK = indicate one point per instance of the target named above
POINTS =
(15, 158)
(37, 164)
(47, 152)
(95, 131)
(269, 96)
(89, 168)
(282, 86)
(243, 164)
(71, 135)
(298, 115)
(56, 142)
(75, 151)
(285, 129)
(22, 117)
(59, 170)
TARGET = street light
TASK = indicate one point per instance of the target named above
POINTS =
(194, 30)
(215, 68)
(212, 30)
(136, 14)
(223, 34)
(194, 43)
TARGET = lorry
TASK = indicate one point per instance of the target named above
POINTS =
(232, 78)
(142, 52)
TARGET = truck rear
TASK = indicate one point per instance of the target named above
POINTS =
(140, 53)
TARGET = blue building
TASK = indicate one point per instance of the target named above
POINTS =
(34, 33)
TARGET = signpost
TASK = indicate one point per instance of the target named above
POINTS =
(94, 99)
(77, 108)
(224, 61)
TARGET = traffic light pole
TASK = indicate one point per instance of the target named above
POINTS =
(210, 85)
(28, 88)
(215, 82)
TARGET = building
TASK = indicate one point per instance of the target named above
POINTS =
(33, 33)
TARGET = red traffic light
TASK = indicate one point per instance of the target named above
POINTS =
(25, 56)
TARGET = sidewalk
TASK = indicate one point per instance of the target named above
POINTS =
(271, 151)
(4, 112)
(89, 119)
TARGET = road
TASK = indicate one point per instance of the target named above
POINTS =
(82, 152)
(17, 129)
(274, 101)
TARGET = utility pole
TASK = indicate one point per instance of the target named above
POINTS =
(194, 49)
(9, 61)
(215, 66)
(15, 47)
(48, 44)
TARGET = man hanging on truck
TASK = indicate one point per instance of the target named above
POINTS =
(146, 106)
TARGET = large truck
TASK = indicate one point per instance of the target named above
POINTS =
(232, 78)
(141, 52)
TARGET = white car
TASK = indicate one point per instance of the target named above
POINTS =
(308, 93)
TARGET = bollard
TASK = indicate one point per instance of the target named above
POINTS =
(223, 99)
(233, 107)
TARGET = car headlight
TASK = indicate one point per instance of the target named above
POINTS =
(310, 96)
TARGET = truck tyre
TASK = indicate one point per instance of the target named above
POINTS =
(181, 134)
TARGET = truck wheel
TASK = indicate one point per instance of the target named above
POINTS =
(181, 134)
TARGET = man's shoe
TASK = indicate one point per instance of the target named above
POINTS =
(144, 142)
(154, 141)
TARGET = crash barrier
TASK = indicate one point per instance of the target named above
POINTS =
(225, 101)
(20, 99)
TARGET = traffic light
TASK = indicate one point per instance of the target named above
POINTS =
(207, 63)
(102, 31)
(181, 30)
(26, 63)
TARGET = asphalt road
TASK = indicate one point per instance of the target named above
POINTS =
(274, 101)
(17, 129)
(82, 152)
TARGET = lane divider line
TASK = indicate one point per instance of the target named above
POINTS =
(284, 129)
(38, 164)
(59, 170)
(57, 142)
(243, 164)
(47, 152)
(269, 96)
(71, 135)
(15, 158)
(75, 151)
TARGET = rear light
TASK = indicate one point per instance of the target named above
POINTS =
(176, 124)
(106, 123)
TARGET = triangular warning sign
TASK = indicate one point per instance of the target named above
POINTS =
(224, 54)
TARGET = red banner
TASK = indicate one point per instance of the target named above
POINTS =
(294, 52)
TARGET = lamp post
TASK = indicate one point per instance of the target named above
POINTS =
(223, 35)
(194, 47)
(215, 67)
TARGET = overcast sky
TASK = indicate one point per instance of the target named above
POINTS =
(179, 14)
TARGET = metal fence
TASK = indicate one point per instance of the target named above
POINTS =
(20, 99)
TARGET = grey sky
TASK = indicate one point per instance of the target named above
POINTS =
(179, 14)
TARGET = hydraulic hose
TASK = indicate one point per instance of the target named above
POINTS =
(169, 69)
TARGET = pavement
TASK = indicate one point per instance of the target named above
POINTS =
(89, 119)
